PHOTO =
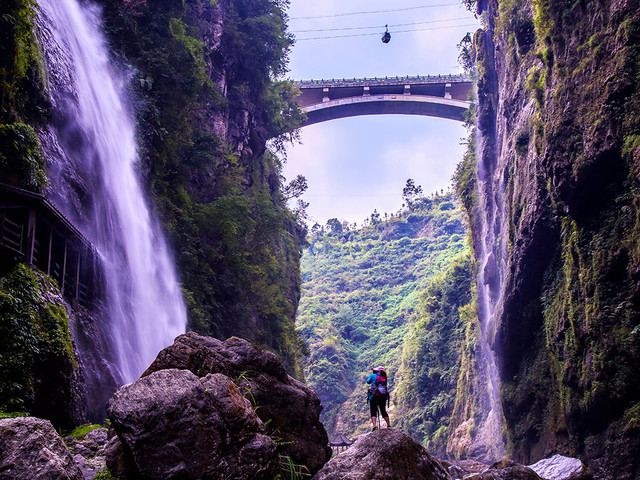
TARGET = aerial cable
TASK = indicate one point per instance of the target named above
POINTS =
(379, 26)
(376, 11)
(378, 33)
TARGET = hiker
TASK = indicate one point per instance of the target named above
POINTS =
(378, 396)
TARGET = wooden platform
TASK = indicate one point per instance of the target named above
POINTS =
(33, 231)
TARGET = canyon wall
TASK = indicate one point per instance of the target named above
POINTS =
(559, 96)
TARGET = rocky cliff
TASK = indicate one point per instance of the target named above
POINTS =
(559, 164)
(206, 99)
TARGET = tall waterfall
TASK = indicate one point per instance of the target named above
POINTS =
(93, 157)
(492, 253)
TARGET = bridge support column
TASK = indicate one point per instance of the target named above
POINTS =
(407, 90)
(325, 94)
(447, 91)
(366, 92)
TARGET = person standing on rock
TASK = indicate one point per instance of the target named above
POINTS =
(378, 396)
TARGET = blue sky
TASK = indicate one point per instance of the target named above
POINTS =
(355, 165)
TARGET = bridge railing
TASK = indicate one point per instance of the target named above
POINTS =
(370, 81)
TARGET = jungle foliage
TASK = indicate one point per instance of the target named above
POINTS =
(208, 98)
(36, 350)
(359, 297)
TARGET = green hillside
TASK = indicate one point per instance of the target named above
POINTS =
(359, 296)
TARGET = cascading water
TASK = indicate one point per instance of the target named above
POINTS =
(93, 181)
(492, 255)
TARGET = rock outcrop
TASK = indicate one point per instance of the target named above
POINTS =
(30, 449)
(505, 470)
(289, 408)
(559, 156)
(387, 454)
(559, 467)
(173, 424)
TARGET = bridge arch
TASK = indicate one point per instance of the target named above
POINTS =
(444, 96)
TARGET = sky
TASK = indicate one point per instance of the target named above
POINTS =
(355, 165)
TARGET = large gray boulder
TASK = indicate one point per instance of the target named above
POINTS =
(289, 408)
(31, 449)
(173, 424)
(560, 467)
(386, 454)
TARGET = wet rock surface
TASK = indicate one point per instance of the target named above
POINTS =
(31, 449)
(173, 424)
(559, 467)
(289, 408)
(384, 454)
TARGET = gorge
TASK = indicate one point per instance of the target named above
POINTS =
(158, 129)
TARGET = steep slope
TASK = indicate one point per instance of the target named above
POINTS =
(559, 93)
(360, 291)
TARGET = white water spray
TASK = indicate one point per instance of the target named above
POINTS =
(493, 263)
(97, 136)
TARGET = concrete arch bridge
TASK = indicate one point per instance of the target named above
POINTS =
(444, 96)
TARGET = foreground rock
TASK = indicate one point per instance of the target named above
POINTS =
(176, 425)
(30, 449)
(89, 451)
(387, 454)
(561, 468)
(505, 470)
(289, 408)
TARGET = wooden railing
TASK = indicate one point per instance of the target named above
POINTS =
(33, 231)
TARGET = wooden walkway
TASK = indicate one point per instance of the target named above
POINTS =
(33, 231)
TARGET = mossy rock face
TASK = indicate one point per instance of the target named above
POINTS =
(567, 130)
(38, 366)
(21, 159)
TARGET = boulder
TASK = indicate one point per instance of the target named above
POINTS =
(176, 425)
(561, 468)
(289, 408)
(31, 449)
(505, 470)
(387, 454)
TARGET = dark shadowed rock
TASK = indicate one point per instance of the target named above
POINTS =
(176, 425)
(89, 451)
(288, 407)
(559, 467)
(506, 470)
(387, 454)
(30, 449)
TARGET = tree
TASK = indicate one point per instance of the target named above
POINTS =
(411, 193)
(295, 188)
(334, 226)
(375, 217)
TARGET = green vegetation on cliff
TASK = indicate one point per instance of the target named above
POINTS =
(432, 360)
(37, 357)
(23, 101)
(208, 99)
(568, 131)
(360, 292)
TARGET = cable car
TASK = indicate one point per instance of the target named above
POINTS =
(387, 36)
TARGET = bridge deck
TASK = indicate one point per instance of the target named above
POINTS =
(444, 96)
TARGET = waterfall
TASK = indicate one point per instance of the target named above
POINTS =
(92, 152)
(492, 252)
